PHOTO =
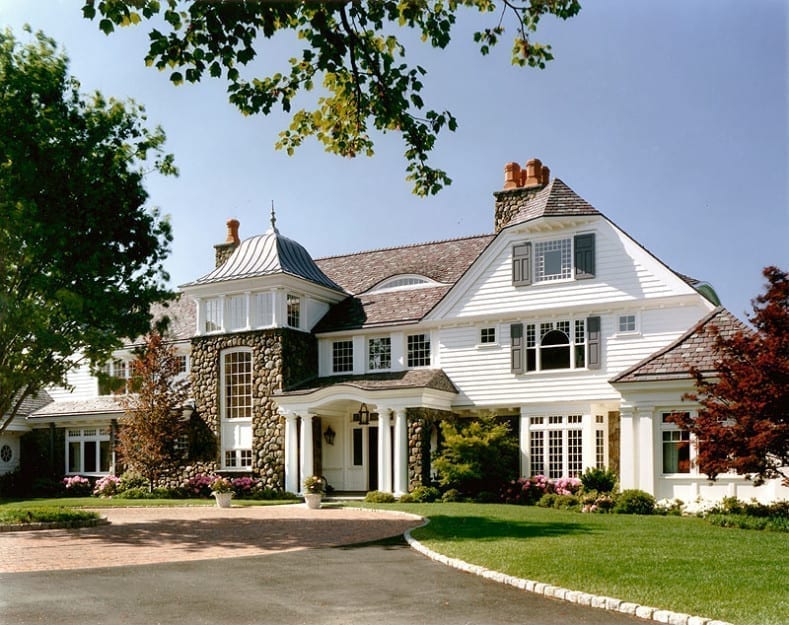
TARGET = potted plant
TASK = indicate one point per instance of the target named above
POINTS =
(222, 490)
(314, 487)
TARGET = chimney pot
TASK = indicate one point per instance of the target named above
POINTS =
(546, 175)
(512, 175)
(232, 231)
(533, 173)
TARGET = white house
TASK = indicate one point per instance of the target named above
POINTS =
(558, 321)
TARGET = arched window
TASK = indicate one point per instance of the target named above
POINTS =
(555, 350)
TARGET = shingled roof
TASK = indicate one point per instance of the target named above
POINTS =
(556, 199)
(442, 261)
(434, 379)
(695, 349)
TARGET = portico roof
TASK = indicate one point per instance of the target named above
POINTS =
(434, 379)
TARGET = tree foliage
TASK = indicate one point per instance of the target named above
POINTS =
(152, 427)
(346, 47)
(743, 423)
(476, 456)
(80, 256)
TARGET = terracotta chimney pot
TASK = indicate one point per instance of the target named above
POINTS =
(546, 175)
(232, 231)
(533, 173)
(512, 175)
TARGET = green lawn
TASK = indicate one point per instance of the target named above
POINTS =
(680, 564)
(97, 502)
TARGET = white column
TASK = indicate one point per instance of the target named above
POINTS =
(306, 448)
(525, 450)
(291, 454)
(400, 452)
(384, 452)
(649, 453)
(628, 441)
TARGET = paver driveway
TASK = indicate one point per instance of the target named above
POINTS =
(254, 566)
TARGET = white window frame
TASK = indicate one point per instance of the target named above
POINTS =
(563, 246)
(481, 335)
(418, 353)
(623, 324)
(370, 361)
(534, 332)
(81, 435)
(684, 436)
(231, 454)
(568, 431)
(342, 354)
(292, 299)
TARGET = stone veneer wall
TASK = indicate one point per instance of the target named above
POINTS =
(280, 358)
(508, 203)
(421, 422)
(614, 429)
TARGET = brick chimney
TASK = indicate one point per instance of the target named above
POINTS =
(520, 185)
(224, 250)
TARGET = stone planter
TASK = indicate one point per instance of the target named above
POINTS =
(223, 499)
(313, 500)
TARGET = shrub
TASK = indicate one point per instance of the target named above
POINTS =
(673, 507)
(377, 496)
(566, 485)
(106, 486)
(47, 487)
(245, 487)
(425, 494)
(634, 501)
(130, 479)
(77, 486)
(748, 522)
(200, 485)
(135, 493)
(567, 502)
(12, 484)
(486, 496)
(547, 500)
(598, 480)
(453, 495)
(527, 490)
(406, 498)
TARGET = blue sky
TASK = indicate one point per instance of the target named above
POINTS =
(670, 117)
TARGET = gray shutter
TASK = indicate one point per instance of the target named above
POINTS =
(521, 264)
(516, 354)
(594, 343)
(584, 256)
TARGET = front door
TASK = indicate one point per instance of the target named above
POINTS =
(372, 458)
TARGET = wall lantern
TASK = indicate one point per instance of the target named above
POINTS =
(364, 416)
(329, 435)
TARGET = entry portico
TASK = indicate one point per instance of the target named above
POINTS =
(325, 435)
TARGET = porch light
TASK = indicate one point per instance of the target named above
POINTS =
(329, 435)
(364, 416)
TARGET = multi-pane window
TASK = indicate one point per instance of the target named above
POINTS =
(238, 458)
(379, 352)
(487, 336)
(235, 312)
(555, 345)
(237, 384)
(342, 356)
(627, 323)
(88, 450)
(553, 260)
(556, 446)
(212, 314)
(114, 376)
(418, 350)
(677, 449)
(599, 442)
(294, 311)
(182, 361)
(263, 310)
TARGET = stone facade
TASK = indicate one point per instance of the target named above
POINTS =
(508, 203)
(271, 371)
(422, 422)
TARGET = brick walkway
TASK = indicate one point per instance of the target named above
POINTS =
(155, 535)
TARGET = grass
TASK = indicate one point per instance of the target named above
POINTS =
(68, 517)
(97, 502)
(674, 563)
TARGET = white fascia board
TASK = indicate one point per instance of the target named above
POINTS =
(261, 283)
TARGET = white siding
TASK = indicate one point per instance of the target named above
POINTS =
(85, 386)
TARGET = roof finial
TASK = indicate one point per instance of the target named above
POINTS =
(273, 218)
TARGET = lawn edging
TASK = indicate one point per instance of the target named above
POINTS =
(563, 594)
(52, 525)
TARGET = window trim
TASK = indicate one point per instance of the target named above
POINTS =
(342, 354)
(540, 431)
(223, 385)
(410, 354)
(482, 343)
(668, 427)
(369, 354)
(581, 258)
(627, 332)
(103, 434)
(527, 349)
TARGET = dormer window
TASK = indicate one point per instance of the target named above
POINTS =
(553, 260)
(404, 282)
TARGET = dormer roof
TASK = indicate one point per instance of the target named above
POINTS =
(268, 254)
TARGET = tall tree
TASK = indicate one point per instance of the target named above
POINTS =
(346, 46)
(152, 426)
(743, 423)
(80, 255)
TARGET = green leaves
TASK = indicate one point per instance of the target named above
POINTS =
(366, 81)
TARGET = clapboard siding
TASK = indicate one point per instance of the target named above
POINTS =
(625, 273)
(85, 386)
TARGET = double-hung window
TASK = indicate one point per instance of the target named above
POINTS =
(678, 452)
(236, 392)
(418, 350)
(342, 356)
(379, 351)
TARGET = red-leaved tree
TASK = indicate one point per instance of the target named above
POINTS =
(743, 422)
(152, 426)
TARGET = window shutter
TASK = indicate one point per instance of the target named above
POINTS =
(521, 264)
(593, 355)
(516, 354)
(584, 256)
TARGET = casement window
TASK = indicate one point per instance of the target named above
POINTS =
(626, 324)
(294, 311)
(678, 451)
(379, 353)
(342, 356)
(553, 260)
(487, 336)
(183, 364)
(418, 350)
(564, 344)
(238, 458)
(88, 450)
(556, 446)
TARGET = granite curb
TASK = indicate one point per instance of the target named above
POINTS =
(563, 594)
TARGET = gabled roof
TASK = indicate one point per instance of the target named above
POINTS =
(556, 199)
(695, 349)
(268, 254)
(105, 404)
(442, 261)
(434, 379)
(32, 403)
